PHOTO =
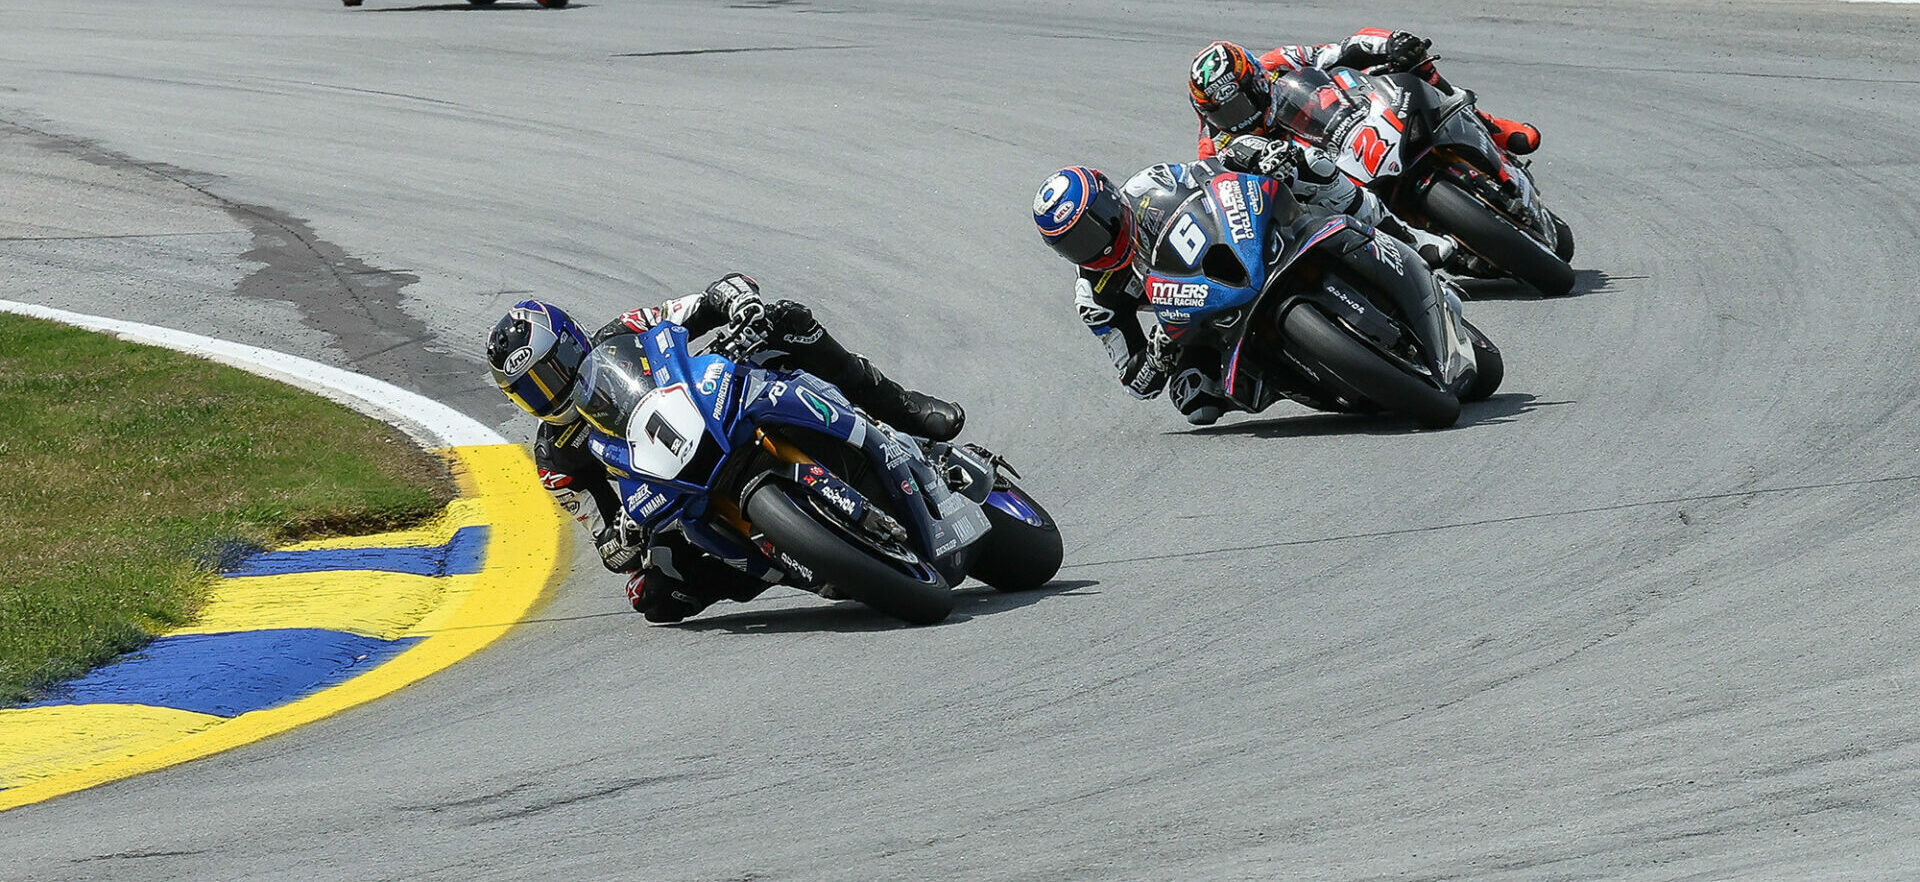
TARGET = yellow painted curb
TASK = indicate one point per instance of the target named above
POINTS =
(525, 539)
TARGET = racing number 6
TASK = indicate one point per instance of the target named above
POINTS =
(1187, 238)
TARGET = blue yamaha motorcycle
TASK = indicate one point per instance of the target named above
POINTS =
(777, 474)
(1313, 307)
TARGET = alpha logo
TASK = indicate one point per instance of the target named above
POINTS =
(818, 405)
(1164, 293)
(517, 361)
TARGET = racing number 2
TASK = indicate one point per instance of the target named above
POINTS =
(1370, 149)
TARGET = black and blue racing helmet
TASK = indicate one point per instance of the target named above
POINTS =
(535, 352)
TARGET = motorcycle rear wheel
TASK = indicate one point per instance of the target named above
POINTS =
(1495, 238)
(854, 571)
(1365, 372)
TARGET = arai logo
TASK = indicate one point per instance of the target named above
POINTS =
(517, 361)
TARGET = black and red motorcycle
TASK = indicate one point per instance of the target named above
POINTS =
(1423, 150)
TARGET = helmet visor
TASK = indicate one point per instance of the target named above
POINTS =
(1239, 115)
(612, 383)
(542, 389)
(1098, 232)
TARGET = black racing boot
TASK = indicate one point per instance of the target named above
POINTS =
(815, 351)
(914, 413)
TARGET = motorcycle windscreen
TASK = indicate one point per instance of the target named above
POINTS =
(1310, 104)
(614, 378)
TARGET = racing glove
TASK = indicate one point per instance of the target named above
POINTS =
(1145, 372)
(622, 546)
(1255, 155)
(739, 295)
(1405, 51)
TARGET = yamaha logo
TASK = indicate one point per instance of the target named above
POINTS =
(517, 361)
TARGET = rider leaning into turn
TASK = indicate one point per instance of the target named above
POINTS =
(1084, 218)
(1232, 93)
(535, 352)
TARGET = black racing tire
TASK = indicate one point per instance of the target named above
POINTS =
(855, 571)
(1563, 240)
(1016, 555)
(1318, 341)
(1496, 239)
(1489, 367)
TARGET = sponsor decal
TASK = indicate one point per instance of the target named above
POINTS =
(517, 361)
(1239, 222)
(720, 403)
(1175, 316)
(664, 339)
(906, 487)
(710, 381)
(776, 390)
(818, 405)
(1066, 208)
(1256, 197)
(1387, 253)
(1356, 307)
(554, 480)
(803, 339)
(795, 567)
(1050, 193)
(838, 498)
(896, 453)
(655, 504)
(1165, 293)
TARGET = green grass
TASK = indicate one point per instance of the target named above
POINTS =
(130, 469)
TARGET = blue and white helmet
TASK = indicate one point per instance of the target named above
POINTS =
(535, 352)
(1081, 216)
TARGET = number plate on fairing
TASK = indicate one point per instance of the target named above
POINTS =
(665, 431)
(1373, 148)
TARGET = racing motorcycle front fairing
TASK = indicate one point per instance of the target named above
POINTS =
(938, 523)
(1427, 336)
(676, 430)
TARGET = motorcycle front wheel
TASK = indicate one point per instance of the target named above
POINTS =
(1495, 238)
(1017, 555)
(920, 597)
(1318, 340)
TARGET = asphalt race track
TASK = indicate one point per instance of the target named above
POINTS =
(1647, 614)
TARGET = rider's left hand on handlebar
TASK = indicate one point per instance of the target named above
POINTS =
(1405, 50)
(1252, 154)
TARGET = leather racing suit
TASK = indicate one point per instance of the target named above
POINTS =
(1362, 50)
(670, 579)
(1148, 360)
